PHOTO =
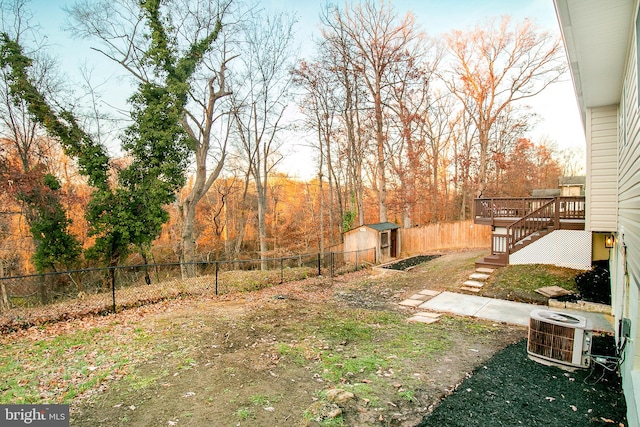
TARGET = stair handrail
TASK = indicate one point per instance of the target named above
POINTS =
(532, 223)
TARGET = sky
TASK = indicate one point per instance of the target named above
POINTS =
(556, 107)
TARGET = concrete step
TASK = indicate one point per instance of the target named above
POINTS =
(430, 314)
(473, 284)
(425, 317)
(411, 302)
(479, 276)
(420, 296)
(470, 289)
(485, 270)
(420, 319)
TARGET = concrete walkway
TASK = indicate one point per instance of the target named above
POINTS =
(514, 313)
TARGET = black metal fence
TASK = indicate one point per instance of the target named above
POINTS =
(102, 290)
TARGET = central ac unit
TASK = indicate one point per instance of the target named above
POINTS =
(559, 339)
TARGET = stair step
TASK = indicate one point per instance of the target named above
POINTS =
(470, 289)
(484, 263)
(479, 276)
(473, 284)
(485, 270)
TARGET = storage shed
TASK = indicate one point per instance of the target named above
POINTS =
(383, 236)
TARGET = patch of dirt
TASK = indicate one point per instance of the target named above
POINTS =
(234, 370)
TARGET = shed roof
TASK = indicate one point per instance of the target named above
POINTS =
(564, 181)
(545, 192)
(383, 226)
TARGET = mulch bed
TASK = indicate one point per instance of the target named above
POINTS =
(410, 262)
(512, 390)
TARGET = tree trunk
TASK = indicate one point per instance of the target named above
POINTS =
(483, 137)
(435, 186)
(262, 224)
(188, 240)
(382, 178)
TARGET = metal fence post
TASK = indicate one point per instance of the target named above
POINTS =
(112, 273)
(281, 270)
(332, 258)
(319, 266)
(43, 290)
(216, 277)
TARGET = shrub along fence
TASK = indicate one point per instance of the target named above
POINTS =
(52, 296)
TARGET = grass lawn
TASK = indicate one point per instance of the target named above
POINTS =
(519, 282)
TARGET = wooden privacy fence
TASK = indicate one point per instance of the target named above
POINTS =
(446, 235)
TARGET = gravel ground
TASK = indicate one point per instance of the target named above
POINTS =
(512, 390)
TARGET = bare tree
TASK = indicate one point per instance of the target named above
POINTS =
(379, 40)
(337, 50)
(259, 103)
(413, 102)
(496, 65)
(27, 139)
(320, 105)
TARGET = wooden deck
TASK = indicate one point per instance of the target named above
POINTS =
(522, 221)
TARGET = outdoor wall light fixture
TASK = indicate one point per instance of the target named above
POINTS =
(608, 241)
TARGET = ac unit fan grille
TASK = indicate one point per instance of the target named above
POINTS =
(551, 341)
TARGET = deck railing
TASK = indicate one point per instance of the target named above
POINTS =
(508, 207)
(528, 216)
(519, 207)
(535, 222)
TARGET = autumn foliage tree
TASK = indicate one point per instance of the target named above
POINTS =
(495, 66)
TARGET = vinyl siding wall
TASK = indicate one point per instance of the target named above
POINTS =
(602, 137)
(625, 262)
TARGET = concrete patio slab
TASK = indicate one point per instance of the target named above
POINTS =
(514, 313)
(510, 312)
(421, 297)
(449, 302)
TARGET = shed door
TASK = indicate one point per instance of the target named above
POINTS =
(394, 239)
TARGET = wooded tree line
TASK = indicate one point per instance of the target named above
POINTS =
(406, 128)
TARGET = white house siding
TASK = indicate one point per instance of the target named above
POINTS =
(602, 136)
(563, 248)
(625, 262)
